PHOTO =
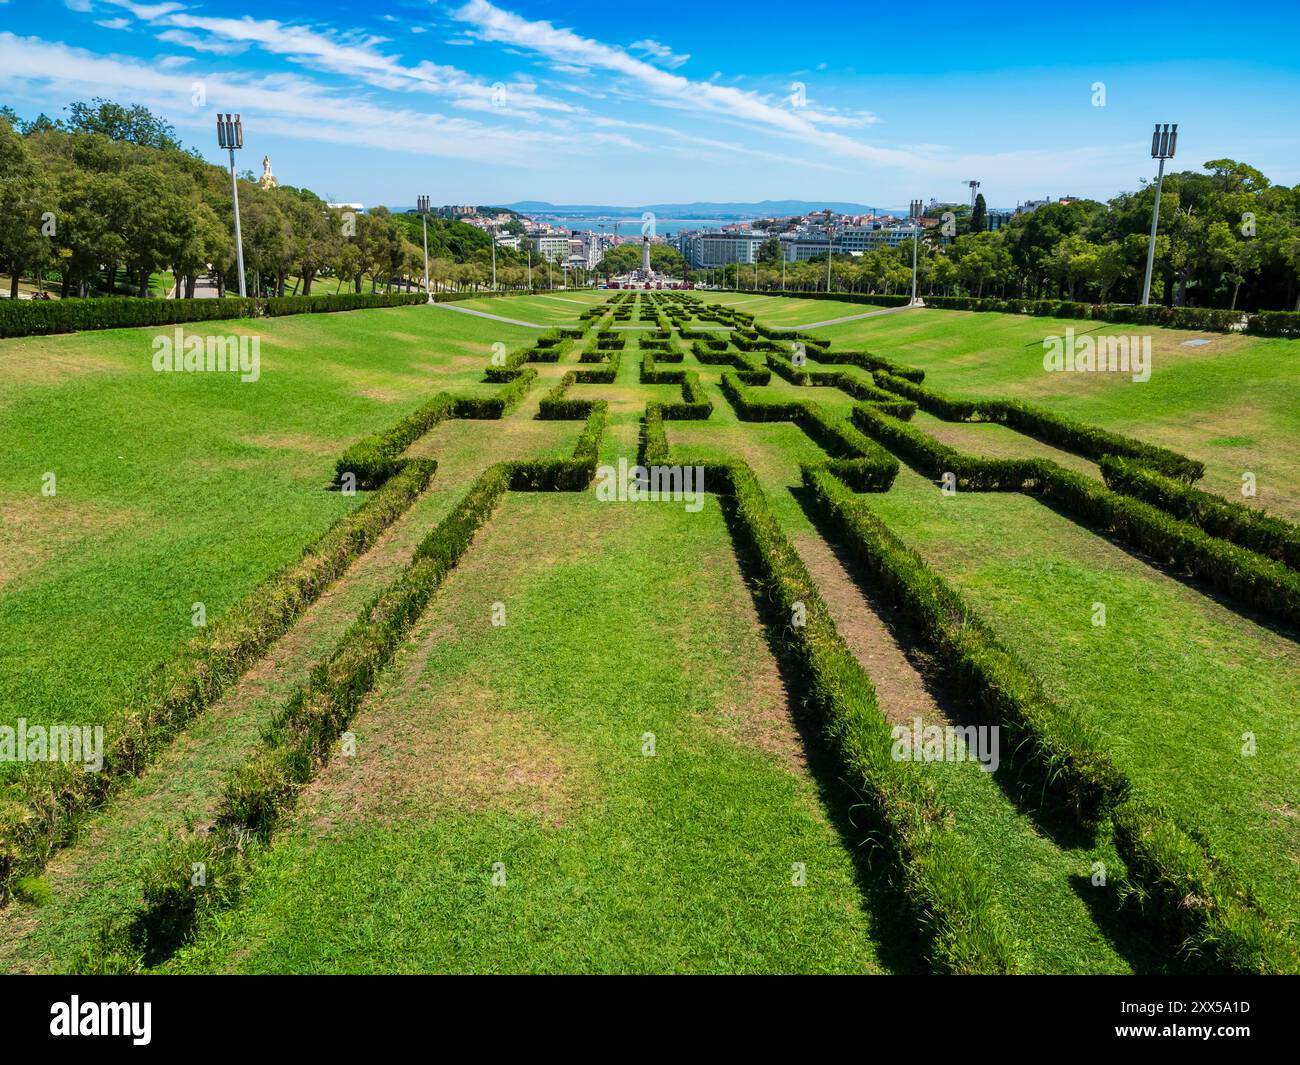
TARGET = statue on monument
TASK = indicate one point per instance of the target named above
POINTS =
(268, 179)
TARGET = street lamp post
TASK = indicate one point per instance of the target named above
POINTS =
(830, 232)
(422, 205)
(915, 212)
(493, 238)
(530, 268)
(783, 270)
(1163, 142)
(230, 135)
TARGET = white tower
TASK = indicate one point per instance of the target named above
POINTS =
(645, 258)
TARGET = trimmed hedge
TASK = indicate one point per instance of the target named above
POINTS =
(1061, 749)
(874, 470)
(41, 317)
(868, 299)
(1259, 582)
(376, 458)
(935, 459)
(1245, 526)
(1206, 912)
(694, 404)
(942, 882)
(1045, 426)
(604, 374)
(40, 810)
(298, 741)
(1202, 907)
(868, 361)
(1209, 319)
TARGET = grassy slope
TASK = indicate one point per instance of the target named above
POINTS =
(1174, 678)
(1063, 924)
(182, 488)
(1233, 403)
(523, 745)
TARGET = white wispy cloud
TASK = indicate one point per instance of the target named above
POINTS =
(661, 52)
(557, 45)
(200, 44)
(113, 23)
(280, 104)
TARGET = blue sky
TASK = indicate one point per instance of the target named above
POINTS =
(487, 101)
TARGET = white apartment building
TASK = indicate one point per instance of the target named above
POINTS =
(707, 250)
(553, 246)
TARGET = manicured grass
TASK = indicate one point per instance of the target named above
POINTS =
(1233, 403)
(1174, 679)
(176, 489)
(523, 745)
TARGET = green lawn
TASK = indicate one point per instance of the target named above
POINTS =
(176, 489)
(522, 744)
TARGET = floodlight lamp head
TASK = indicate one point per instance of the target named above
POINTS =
(1164, 141)
(230, 134)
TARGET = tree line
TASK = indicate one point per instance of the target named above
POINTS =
(1227, 239)
(98, 202)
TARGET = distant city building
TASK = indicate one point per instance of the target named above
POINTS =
(347, 206)
(807, 242)
(552, 246)
(706, 250)
(507, 240)
(1000, 217)
(461, 211)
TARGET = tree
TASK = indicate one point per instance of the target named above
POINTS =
(135, 123)
(979, 216)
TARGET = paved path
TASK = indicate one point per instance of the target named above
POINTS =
(850, 318)
(494, 317)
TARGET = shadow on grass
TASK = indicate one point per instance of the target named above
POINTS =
(900, 947)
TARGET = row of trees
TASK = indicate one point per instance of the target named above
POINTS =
(1227, 238)
(108, 195)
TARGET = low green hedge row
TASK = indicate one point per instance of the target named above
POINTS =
(1203, 908)
(298, 741)
(1087, 440)
(941, 880)
(651, 374)
(874, 363)
(1245, 526)
(866, 298)
(694, 404)
(1061, 750)
(935, 459)
(40, 317)
(876, 468)
(1210, 319)
(858, 389)
(1048, 427)
(374, 459)
(1259, 582)
(557, 405)
(603, 375)
(653, 450)
(565, 475)
(1274, 323)
(303, 734)
(1175, 878)
(39, 810)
